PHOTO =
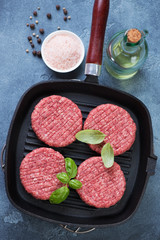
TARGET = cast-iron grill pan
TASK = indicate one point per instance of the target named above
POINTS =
(137, 164)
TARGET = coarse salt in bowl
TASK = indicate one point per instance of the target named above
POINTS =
(62, 51)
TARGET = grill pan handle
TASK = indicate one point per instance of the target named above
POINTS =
(2, 154)
(98, 27)
(151, 164)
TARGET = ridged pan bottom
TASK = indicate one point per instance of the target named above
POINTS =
(79, 152)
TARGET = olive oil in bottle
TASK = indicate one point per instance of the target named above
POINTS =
(126, 53)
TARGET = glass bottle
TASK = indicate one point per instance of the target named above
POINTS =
(126, 53)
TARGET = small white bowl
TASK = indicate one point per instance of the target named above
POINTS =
(61, 51)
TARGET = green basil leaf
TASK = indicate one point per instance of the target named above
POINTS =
(75, 184)
(107, 155)
(59, 195)
(90, 136)
(71, 167)
(63, 177)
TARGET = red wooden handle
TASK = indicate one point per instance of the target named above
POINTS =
(99, 20)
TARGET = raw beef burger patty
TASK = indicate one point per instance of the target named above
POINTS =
(56, 120)
(116, 123)
(101, 187)
(38, 172)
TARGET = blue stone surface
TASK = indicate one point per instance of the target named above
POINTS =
(19, 71)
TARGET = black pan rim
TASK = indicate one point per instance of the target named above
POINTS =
(9, 134)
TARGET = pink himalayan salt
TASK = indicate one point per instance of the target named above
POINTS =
(62, 51)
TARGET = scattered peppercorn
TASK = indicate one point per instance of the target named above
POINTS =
(41, 30)
(34, 52)
(29, 38)
(35, 13)
(57, 7)
(32, 26)
(65, 11)
(65, 18)
(49, 15)
(39, 54)
(39, 40)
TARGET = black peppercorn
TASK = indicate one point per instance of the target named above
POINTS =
(65, 18)
(57, 7)
(65, 11)
(34, 53)
(39, 40)
(49, 15)
(35, 13)
(41, 30)
(32, 45)
(39, 54)
(29, 38)
(32, 26)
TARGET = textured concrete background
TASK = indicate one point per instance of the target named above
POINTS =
(18, 71)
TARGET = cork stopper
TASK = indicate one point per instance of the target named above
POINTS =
(133, 35)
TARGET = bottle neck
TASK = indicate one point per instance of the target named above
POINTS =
(129, 48)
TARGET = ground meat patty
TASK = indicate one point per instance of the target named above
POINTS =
(56, 120)
(101, 187)
(38, 172)
(116, 123)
